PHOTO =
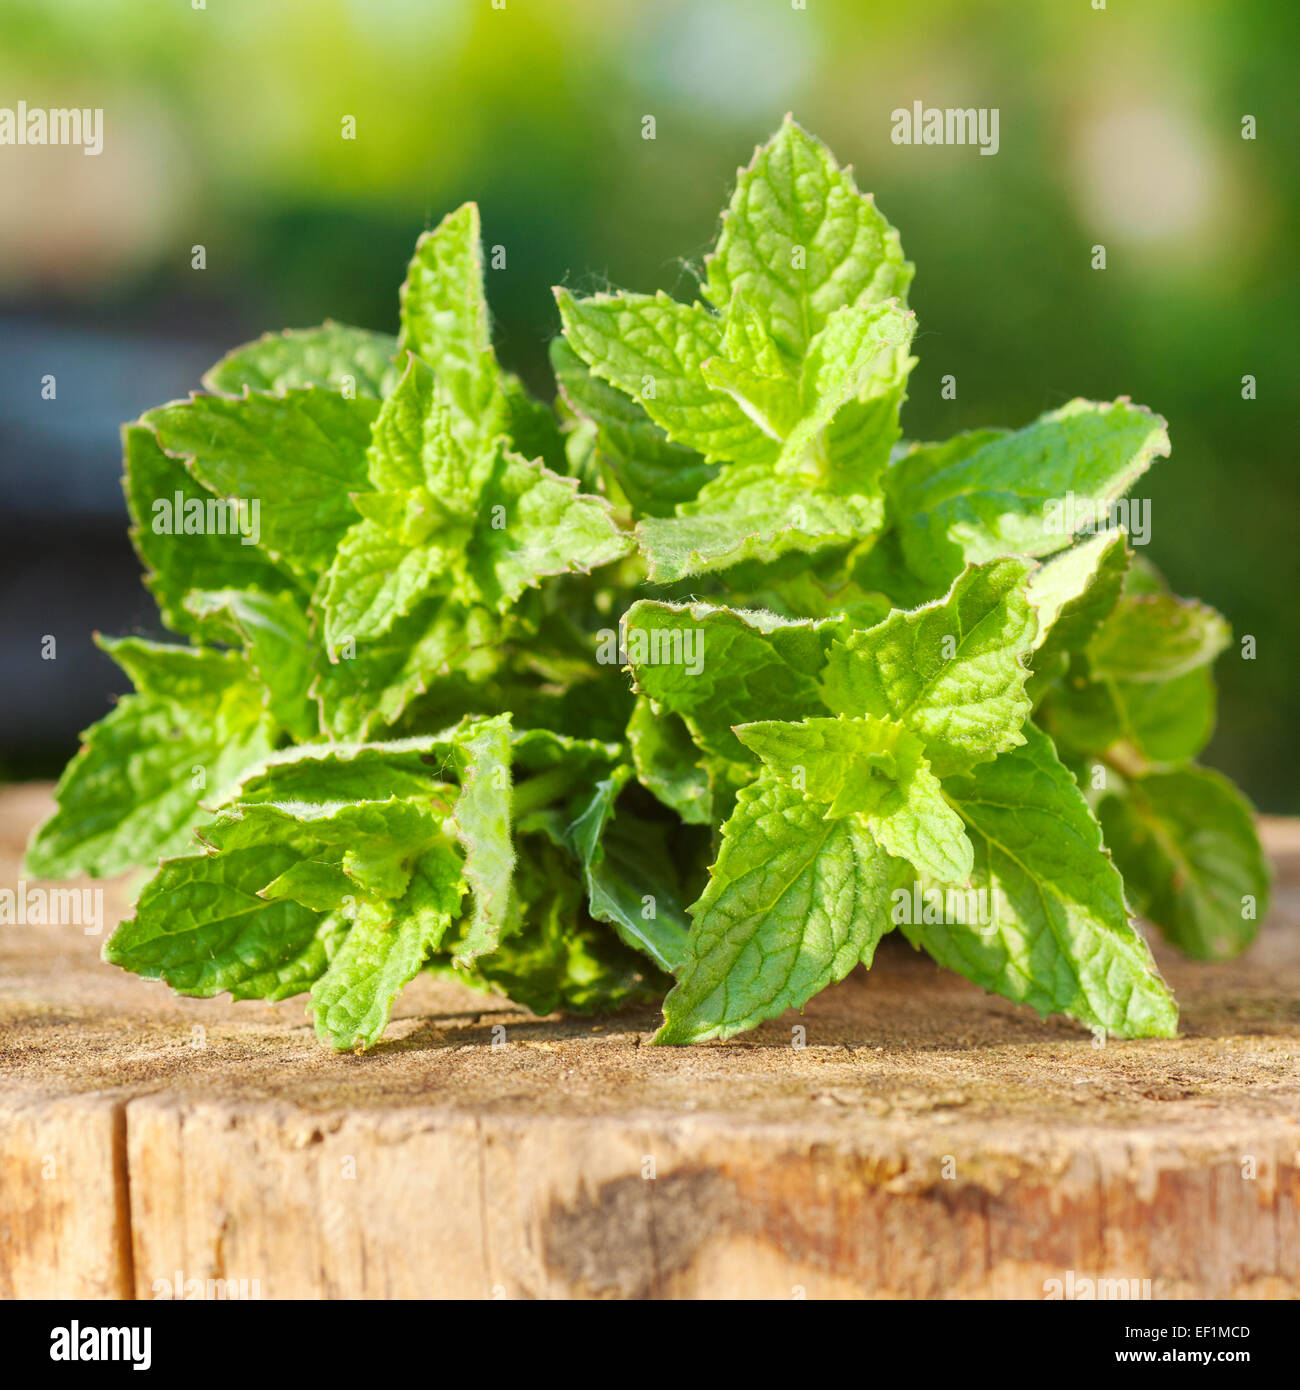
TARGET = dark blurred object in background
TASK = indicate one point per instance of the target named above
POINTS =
(223, 128)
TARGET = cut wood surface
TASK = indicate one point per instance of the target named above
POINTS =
(925, 1140)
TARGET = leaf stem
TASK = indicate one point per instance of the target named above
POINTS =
(542, 789)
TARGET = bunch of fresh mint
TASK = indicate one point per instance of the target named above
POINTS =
(873, 684)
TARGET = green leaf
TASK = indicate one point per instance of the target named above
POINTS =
(1163, 722)
(723, 390)
(334, 356)
(654, 473)
(805, 365)
(378, 578)
(753, 372)
(749, 514)
(667, 762)
(875, 770)
(531, 425)
(715, 667)
(853, 383)
(879, 568)
(1076, 591)
(953, 671)
(277, 865)
(132, 793)
(445, 323)
(1169, 721)
(1008, 496)
(801, 241)
(383, 952)
(554, 956)
(445, 320)
(1144, 578)
(414, 445)
(803, 586)
(201, 926)
(481, 524)
(1187, 846)
(543, 750)
(1083, 715)
(1072, 595)
(1059, 937)
(374, 843)
(164, 499)
(331, 772)
(313, 883)
(367, 689)
(630, 878)
(913, 465)
(654, 349)
(533, 524)
(482, 820)
(299, 456)
(274, 633)
(795, 901)
(1155, 637)
(183, 675)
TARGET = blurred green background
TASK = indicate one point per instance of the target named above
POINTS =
(223, 127)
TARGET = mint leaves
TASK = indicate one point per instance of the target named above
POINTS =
(132, 794)
(297, 455)
(1059, 936)
(952, 670)
(1185, 841)
(788, 375)
(445, 520)
(801, 241)
(693, 685)
(876, 770)
(1134, 708)
(977, 497)
(793, 904)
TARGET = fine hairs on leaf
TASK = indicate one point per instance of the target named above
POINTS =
(685, 689)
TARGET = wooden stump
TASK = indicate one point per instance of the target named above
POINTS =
(926, 1141)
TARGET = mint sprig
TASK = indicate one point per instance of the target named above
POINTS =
(696, 684)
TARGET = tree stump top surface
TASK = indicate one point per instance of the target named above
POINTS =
(905, 1042)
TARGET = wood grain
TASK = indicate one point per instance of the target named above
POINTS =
(926, 1141)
